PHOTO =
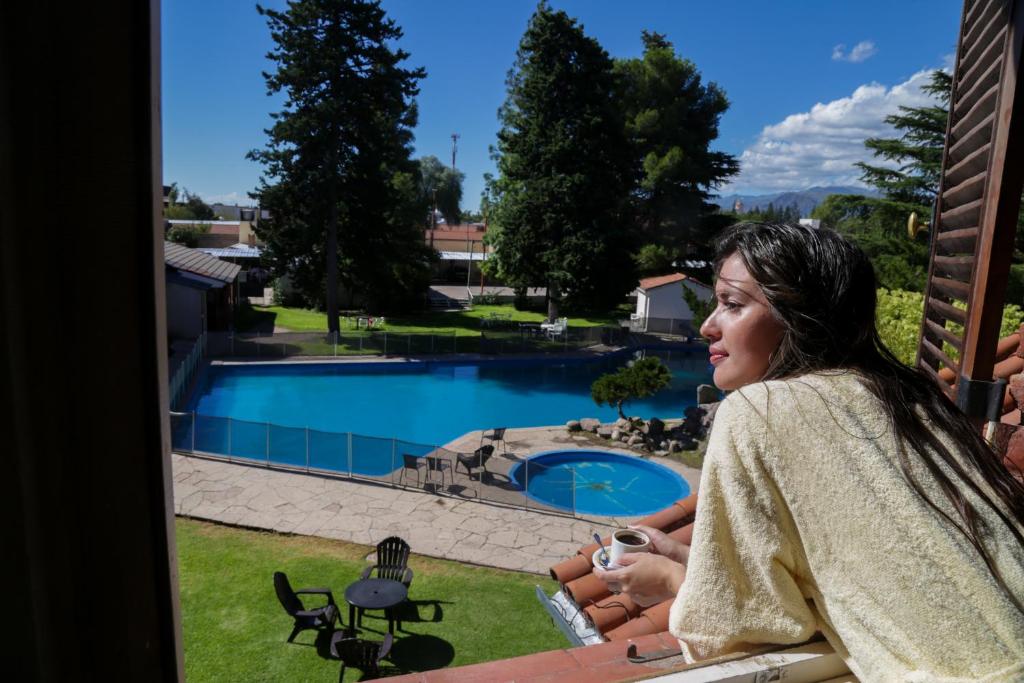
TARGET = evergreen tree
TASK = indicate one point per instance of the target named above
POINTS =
(565, 170)
(918, 149)
(441, 187)
(340, 184)
(672, 118)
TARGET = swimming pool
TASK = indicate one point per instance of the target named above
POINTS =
(431, 402)
(599, 482)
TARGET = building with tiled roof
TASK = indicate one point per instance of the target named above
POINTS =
(200, 291)
(660, 306)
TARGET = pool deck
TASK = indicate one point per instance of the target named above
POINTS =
(452, 523)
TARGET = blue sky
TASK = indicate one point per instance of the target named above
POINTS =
(807, 81)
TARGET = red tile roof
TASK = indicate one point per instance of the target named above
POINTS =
(661, 280)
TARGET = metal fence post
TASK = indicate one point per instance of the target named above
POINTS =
(360, 341)
(409, 339)
(229, 438)
(350, 453)
(455, 341)
(431, 343)
(572, 470)
(336, 344)
(193, 431)
(232, 338)
(267, 454)
(394, 444)
(526, 485)
(307, 448)
(385, 343)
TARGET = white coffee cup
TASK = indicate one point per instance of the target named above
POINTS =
(628, 541)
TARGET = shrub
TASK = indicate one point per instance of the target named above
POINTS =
(639, 379)
(899, 315)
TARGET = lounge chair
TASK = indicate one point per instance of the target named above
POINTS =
(364, 655)
(478, 458)
(392, 561)
(316, 618)
(494, 436)
(411, 462)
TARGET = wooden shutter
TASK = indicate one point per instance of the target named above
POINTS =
(979, 195)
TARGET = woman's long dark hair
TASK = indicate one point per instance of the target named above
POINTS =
(822, 289)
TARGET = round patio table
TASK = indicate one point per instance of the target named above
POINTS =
(382, 594)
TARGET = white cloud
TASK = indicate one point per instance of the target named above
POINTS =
(819, 147)
(862, 51)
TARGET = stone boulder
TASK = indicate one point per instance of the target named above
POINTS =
(707, 393)
(634, 440)
(573, 426)
(604, 432)
(616, 434)
(709, 417)
(655, 428)
(589, 424)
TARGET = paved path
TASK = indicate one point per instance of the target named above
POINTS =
(450, 526)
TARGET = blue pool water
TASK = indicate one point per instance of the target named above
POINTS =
(429, 402)
(599, 482)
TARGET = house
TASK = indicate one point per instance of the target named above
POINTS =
(459, 246)
(221, 234)
(660, 306)
(200, 292)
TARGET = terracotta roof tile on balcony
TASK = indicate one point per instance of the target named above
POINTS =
(616, 617)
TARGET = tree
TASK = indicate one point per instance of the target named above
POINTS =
(187, 235)
(639, 379)
(700, 308)
(340, 183)
(654, 259)
(193, 208)
(441, 188)
(671, 119)
(565, 170)
(917, 151)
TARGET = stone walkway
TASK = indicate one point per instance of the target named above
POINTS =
(450, 525)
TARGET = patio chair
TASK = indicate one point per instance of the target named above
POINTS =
(364, 655)
(437, 463)
(316, 618)
(392, 561)
(494, 436)
(411, 462)
(478, 458)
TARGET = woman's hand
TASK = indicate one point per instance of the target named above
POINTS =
(665, 545)
(645, 577)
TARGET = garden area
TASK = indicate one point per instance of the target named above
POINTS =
(235, 628)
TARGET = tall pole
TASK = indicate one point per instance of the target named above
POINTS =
(455, 144)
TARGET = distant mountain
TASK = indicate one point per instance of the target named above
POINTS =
(805, 200)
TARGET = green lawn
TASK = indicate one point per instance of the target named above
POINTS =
(461, 323)
(235, 629)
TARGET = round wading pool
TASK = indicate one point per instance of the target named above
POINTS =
(599, 482)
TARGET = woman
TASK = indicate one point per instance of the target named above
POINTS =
(841, 490)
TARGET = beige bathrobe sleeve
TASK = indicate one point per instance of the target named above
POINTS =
(805, 522)
(742, 586)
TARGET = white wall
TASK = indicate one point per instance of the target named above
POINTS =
(185, 311)
(667, 301)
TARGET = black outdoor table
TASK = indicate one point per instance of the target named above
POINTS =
(375, 594)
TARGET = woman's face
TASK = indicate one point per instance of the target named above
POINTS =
(742, 330)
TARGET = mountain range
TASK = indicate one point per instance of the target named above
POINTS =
(805, 200)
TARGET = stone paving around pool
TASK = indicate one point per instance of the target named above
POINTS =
(452, 525)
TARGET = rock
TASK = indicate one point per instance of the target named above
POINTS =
(1017, 389)
(634, 440)
(655, 428)
(707, 393)
(661, 453)
(693, 410)
(604, 432)
(573, 426)
(589, 424)
(687, 444)
(625, 438)
(663, 446)
(623, 423)
(616, 434)
(709, 417)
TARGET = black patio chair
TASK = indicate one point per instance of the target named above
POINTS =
(392, 561)
(364, 655)
(316, 618)
(494, 436)
(437, 463)
(411, 462)
(478, 459)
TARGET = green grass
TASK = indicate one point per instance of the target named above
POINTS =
(461, 323)
(235, 629)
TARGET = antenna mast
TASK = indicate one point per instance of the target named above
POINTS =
(455, 145)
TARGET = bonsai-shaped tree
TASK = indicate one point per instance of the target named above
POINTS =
(639, 379)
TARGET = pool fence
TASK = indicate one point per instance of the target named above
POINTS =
(519, 338)
(504, 479)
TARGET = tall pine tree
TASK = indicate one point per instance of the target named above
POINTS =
(340, 185)
(672, 118)
(565, 170)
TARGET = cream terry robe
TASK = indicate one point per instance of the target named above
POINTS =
(805, 522)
